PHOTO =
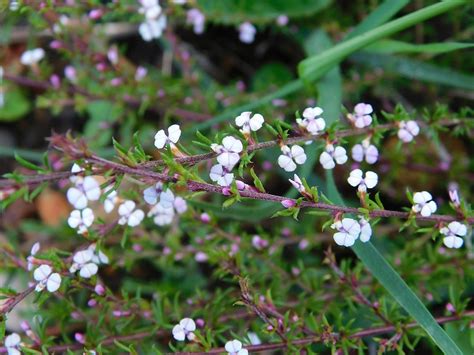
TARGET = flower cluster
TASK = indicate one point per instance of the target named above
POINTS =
(312, 122)
(349, 230)
(155, 20)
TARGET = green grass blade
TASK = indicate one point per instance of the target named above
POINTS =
(389, 46)
(379, 16)
(394, 284)
(315, 67)
(415, 69)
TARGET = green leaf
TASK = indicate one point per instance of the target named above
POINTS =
(387, 46)
(261, 11)
(256, 181)
(15, 106)
(98, 127)
(394, 284)
(315, 67)
(27, 164)
(276, 74)
(415, 69)
(379, 16)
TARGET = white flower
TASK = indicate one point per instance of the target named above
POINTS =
(76, 169)
(408, 130)
(87, 189)
(423, 203)
(150, 8)
(290, 157)
(309, 122)
(248, 123)
(365, 150)
(221, 175)
(63, 22)
(297, 183)
(98, 256)
(34, 250)
(129, 215)
(361, 117)
(161, 139)
(254, 339)
(110, 200)
(331, 156)
(197, 19)
(184, 329)
(356, 179)
(12, 344)
(151, 195)
(14, 6)
(162, 216)
(180, 205)
(32, 56)
(348, 231)
(81, 220)
(453, 233)
(228, 152)
(247, 32)
(152, 28)
(84, 263)
(234, 347)
(46, 278)
(365, 230)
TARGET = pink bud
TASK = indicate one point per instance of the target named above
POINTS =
(205, 218)
(55, 81)
(140, 73)
(450, 308)
(240, 86)
(295, 271)
(70, 73)
(267, 165)
(80, 338)
(240, 185)
(95, 14)
(226, 191)
(200, 322)
(303, 244)
(137, 248)
(282, 20)
(99, 289)
(201, 257)
(76, 315)
(92, 303)
(101, 66)
(288, 203)
(116, 81)
(25, 325)
(55, 44)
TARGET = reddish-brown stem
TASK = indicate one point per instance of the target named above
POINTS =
(13, 301)
(131, 101)
(351, 281)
